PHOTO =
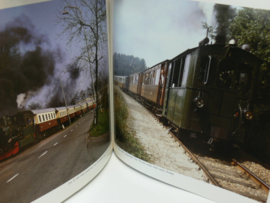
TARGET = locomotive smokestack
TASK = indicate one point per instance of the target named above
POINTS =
(224, 15)
(205, 40)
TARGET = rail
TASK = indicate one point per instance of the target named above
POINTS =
(252, 176)
(206, 172)
(194, 158)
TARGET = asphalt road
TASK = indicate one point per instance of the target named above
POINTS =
(50, 163)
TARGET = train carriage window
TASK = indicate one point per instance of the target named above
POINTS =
(46, 117)
(175, 73)
(225, 74)
(150, 78)
(43, 118)
(146, 80)
(153, 77)
(49, 116)
(207, 68)
(168, 83)
(39, 118)
(184, 69)
(157, 76)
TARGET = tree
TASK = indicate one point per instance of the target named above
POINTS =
(34, 105)
(252, 27)
(86, 19)
(211, 31)
(127, 64)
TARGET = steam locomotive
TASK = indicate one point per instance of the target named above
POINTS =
(207, 91)
(27, 127)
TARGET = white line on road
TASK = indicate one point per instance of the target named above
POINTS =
(65, 135)
(43, 154)
(13, 177)
(55, 143)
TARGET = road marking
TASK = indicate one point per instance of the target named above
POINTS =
(13, 177)
(55, 143)
(65, 135)
(43, 154)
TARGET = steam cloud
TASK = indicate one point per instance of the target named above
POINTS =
(25, 66)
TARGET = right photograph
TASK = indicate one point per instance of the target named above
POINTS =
(192, 90)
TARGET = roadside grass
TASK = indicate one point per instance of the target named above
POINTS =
(103, 125)
(125, 138)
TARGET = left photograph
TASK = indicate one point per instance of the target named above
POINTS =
(54, 103)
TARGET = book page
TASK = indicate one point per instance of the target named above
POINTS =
(54, 106)
(191, 95)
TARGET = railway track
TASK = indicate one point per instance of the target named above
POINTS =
(232, 176)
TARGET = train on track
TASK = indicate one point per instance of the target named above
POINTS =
(207, 91)
(30, 126)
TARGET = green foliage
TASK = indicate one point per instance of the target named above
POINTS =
(103, 124)
(34, 105)
(126, 65)
(211, 30)
(124, 136)
(252, 26)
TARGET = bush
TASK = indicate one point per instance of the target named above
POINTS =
(125, 138)
(103, 124)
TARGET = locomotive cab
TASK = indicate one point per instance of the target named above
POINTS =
(210, 91)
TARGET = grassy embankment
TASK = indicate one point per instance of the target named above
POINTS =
(103, 125)
(125, 137)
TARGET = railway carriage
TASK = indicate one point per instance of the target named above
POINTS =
(210, 90)
(91, 105)
(135, 83)
(61, 115)
(78, 110)
(152, 86)
(84, 108)
(122, 82)
(44, 120)
(71, 112)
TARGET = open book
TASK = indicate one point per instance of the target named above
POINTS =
(178, 89)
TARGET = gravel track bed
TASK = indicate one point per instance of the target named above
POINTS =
(159, 145)
(259, 171)
(165, 152)
(230, 178)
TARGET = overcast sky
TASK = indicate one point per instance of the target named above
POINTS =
(159, 30)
